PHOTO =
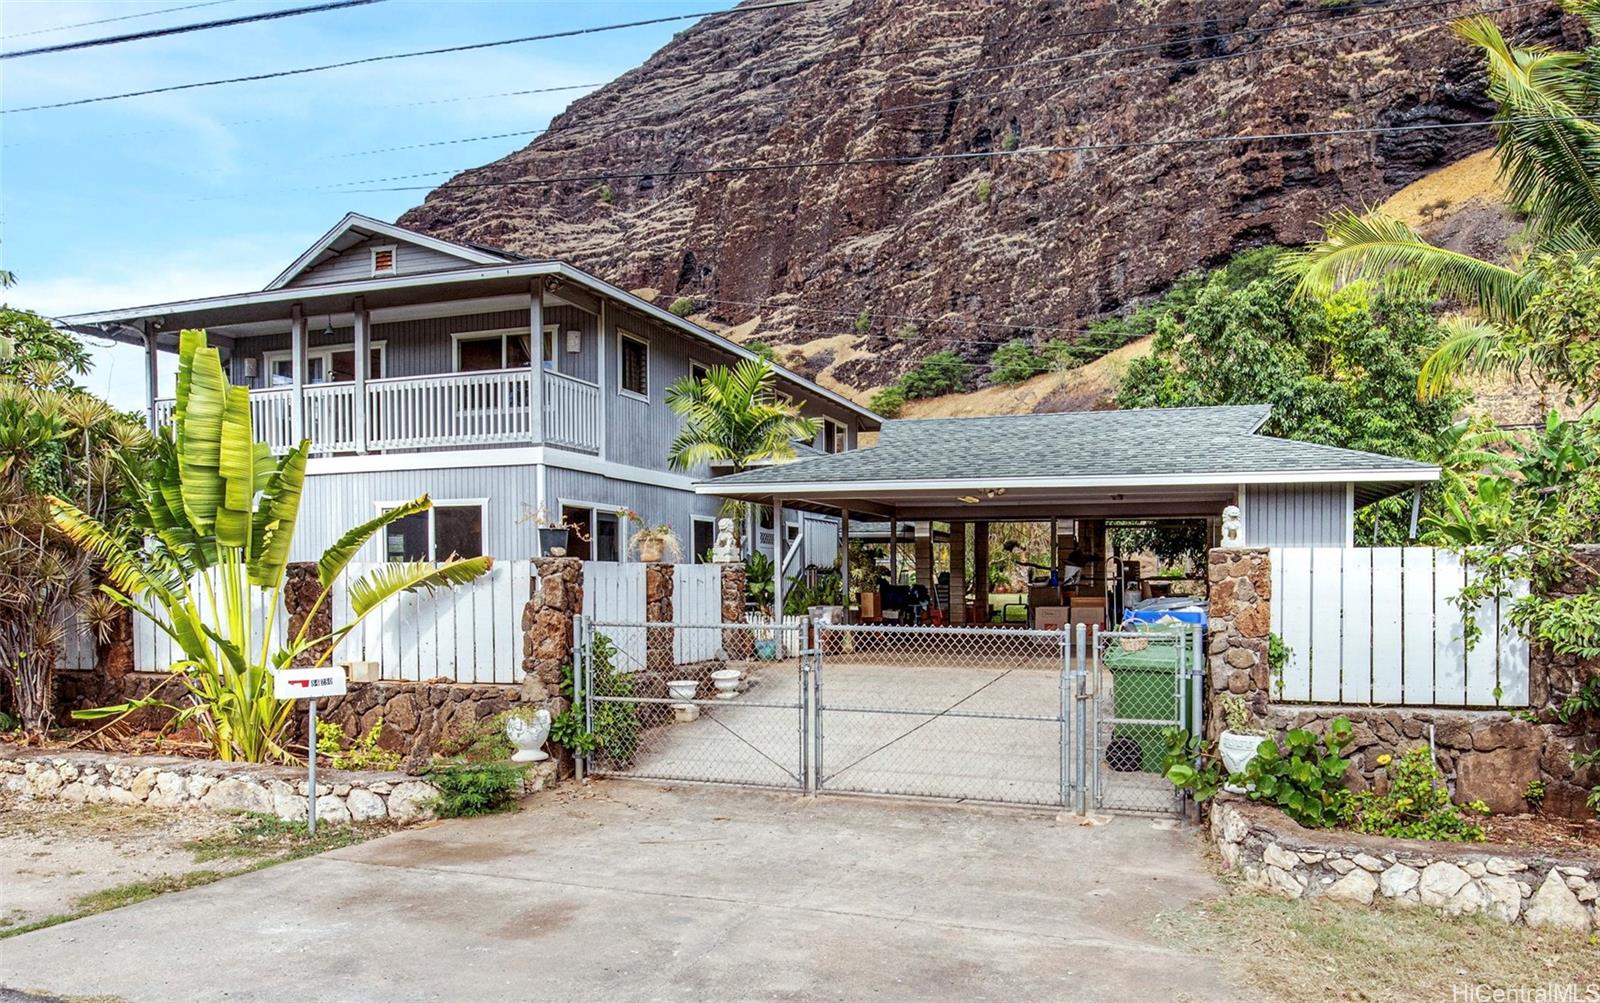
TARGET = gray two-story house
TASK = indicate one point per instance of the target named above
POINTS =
(502, 386)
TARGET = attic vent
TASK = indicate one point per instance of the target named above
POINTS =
(383, 260)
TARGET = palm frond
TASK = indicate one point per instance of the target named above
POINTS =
(337, 557)
(390, 580)
(1471, 347)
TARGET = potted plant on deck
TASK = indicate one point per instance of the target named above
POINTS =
(1240, 742)
(553, 533)
(653, 543)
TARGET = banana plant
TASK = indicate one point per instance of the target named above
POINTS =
(220, 512)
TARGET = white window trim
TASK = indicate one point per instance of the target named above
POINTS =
(621, 390)
(324, 352)
(438, 503)
(701, 363)
(624, 529)
(694, 556)
(553, 333)
(503, 333)
(394, 259)
(843, 433)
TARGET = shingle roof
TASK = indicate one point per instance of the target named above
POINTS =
(1133, 445)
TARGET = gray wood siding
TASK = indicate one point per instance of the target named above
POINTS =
(584, 364)
(355, 263)
(1296, 515)
(335, 502)
(411, 347)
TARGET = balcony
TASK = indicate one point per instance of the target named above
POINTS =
(429, 412)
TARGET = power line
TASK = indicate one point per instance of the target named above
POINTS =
(182, 29)
(472, 47)
(120, 17)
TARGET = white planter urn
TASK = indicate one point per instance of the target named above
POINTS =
(528, 735)
(1237, 751)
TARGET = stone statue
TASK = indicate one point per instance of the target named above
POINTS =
(726, 549)
(1232, 527)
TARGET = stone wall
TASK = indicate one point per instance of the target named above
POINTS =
(1238, 627)
(1534, 887)
(416, 716)
(547, 627)
(175, 782)
(658, 585)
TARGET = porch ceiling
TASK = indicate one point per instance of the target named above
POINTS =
(1194, 501)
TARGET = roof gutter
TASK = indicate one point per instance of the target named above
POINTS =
(1420, 474)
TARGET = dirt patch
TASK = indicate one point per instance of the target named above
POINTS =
(1543, 832)
(1315, 949)
(121, 739)
(60, 861)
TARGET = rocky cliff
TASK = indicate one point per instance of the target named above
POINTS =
(870, 266)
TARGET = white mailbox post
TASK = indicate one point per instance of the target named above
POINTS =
(308, 684)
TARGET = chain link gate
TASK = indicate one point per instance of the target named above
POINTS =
(1001, 715)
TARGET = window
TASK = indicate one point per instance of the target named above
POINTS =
(596, 533)
(383, 260)
(835, 438)
(482, 351)
(698, 371)
(551, 333)
(335, 364)
(607, 537)
(634, 361)
(705, 538)
(449, 528)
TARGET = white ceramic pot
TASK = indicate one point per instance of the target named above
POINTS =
(682, 689)
(727, 683)
(528, 736)
(1237, 751)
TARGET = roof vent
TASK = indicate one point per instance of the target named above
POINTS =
(383, 259)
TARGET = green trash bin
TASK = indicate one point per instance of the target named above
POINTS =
(1144, 687)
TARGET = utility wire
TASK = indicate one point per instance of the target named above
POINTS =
(182, 29)
(121, 17)
(471, 47)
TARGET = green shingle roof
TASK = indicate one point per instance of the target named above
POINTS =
(1129, 446)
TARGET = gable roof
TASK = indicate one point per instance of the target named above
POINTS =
(1133, 448)
(355, 229)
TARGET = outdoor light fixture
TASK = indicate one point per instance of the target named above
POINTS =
(327, 332)
(969, 499)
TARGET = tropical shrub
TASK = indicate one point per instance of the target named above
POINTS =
(359, 753)
(615, 726)
(467, 789)
(220, 511)
(1303, 776)
(1416, 805)
(735, 416)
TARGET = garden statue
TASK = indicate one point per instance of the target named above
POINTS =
(726, 549)
(1232, 527)
(526, 729)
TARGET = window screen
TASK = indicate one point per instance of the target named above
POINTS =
(458, 530)
(407, 539)
(635, 367)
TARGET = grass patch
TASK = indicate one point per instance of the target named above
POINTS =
(1323, 950)
(257, 841)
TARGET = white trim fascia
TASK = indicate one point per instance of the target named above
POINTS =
(788, 488)
(354, 221)
(510, 456)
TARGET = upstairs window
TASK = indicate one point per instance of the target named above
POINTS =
(447, 528)
(633, 360)
(835, 438)
(383, 260)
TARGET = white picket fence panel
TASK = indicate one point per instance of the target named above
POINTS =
(78, 652)
(696, 599)
(1380, 626)
(613, 597)
(468, 634)
(155, 651)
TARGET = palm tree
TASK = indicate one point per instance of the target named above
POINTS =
(1547, 142)
(735, 417)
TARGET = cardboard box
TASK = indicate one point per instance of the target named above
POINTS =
(1051, 617)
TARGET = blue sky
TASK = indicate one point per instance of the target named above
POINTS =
(215, 190)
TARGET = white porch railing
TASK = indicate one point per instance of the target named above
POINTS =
(426, 412)
(571, 412)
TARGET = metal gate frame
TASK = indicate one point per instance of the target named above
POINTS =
(1187, 680)
(1083, 709)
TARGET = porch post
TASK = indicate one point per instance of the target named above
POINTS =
(844, 557)
(923, 548)
(958, 573)
(980, 569)
(894, 546)
(600, 378)
(778, 541)
(297, 391)
(363, 353)
(536, 359)
(152, 379)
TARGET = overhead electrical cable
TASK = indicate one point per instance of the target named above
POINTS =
(444, 50)
(120, 17)
(183, 29)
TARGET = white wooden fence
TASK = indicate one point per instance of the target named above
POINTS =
(468, 634)
(696, 599)
(155, 651)
(613, 597)
(1381, 626)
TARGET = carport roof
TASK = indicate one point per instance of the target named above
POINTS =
(1138, 448)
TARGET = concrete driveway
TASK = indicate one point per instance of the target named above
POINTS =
(631, 891)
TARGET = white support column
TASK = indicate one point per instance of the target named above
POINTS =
(297, 356)
(536, 353)
(778, 546)
(844, 558)
(894, 546)
(601, 338)
(152, 375)
(363, 352)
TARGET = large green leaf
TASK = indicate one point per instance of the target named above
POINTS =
(236, 467)
(273, 526)
(390, 580)
(199, 437)
(337, 557)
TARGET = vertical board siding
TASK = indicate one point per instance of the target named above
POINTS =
(1297, 515)
(355, 263)
(1381, 626)
(696, 600)
(613, 597)
(468, 634)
